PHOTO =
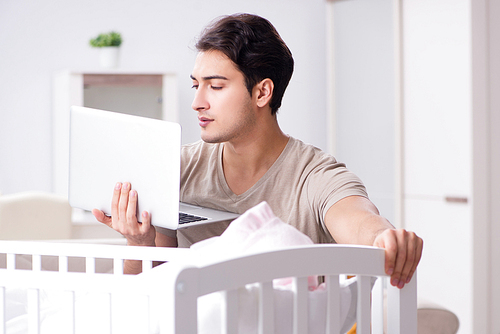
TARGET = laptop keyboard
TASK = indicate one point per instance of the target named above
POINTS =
(187, 218)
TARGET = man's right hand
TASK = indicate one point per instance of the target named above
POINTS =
(124, 217)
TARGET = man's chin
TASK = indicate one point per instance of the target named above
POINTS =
(210, 139)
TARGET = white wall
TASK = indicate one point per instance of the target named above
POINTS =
(365, 96)
(38, 38)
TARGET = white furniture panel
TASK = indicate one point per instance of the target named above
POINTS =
(448, 80)
(446, 230)
(437, 98)
(149, 94)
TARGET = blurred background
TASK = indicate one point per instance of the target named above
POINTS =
(402, 91)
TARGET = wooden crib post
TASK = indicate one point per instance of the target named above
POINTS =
(11, 261)
(378, 305)
(332, 304)
(186, 301)
(63, 264)
(402, 308)
(363, 305)
(90, 265)
(229, 312)
(118, 266)
(36, 262)
(300, 305)
(146, 265)
(71, 305)
(33, 311)
(266, 308)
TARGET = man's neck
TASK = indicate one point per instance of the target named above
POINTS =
(246, 161)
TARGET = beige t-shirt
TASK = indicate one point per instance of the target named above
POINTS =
(300, 187)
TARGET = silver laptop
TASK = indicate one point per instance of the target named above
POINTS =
(108, 147)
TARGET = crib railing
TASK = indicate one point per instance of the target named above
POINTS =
(58, 276)
(300, 262)
(189, 278)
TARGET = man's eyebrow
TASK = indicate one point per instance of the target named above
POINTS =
(210, 77)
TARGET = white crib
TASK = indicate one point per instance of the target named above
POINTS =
(183, 279)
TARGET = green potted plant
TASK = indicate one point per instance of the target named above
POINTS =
(109, 44)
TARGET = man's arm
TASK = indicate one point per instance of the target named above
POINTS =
(355, 220)
(124, 220)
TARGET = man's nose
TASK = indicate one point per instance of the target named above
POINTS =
(199, 102)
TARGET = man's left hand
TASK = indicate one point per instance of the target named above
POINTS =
(403, 251)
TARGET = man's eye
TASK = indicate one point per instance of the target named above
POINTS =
(194, 86)
(216, 87)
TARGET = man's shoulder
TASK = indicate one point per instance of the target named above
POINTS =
(307, 151)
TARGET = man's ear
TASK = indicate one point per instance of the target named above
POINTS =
(264, 92)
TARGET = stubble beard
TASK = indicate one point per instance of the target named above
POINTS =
(234, 131)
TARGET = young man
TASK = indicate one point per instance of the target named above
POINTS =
(240, 75)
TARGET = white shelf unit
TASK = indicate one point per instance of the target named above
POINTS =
(143, 93)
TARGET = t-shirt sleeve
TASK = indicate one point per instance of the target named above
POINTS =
(328, 183)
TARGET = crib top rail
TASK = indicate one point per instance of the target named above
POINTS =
(70, 249)
(297, 261)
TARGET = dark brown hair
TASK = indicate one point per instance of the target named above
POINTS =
(256, 48)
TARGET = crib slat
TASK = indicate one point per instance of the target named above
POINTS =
(90, 265)
(229, 312)
(146, 265)
(332, 304)
(110, 313)
(149, 311)
(378, 306)
(3, 311)
(363, 317)
(266, 308)
(11, 261)
(33, 311)
(63, 264)
(36, 262)
(118, 266)
(300, 305)
(71, 306)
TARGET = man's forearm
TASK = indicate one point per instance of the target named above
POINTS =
(132, 267)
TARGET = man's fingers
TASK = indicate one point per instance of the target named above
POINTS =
(418, 255)
(403, 251)
(123, 201)
(146, 222)
(387, 240)
(132, 207)
(116, 199)
(101, 217)
(124, 217)
(409, 267)
(402, 258)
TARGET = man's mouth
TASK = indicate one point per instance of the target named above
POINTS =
(204, 121)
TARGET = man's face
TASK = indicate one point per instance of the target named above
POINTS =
(225, 109)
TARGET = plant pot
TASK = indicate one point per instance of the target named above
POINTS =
(109, 56)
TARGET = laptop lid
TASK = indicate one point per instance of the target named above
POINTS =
(109, 147)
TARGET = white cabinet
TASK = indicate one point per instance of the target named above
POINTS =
(149, 94)
(447, 114)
